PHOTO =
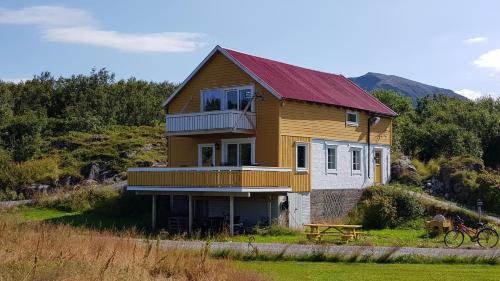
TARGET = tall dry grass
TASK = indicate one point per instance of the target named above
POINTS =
(48, 252)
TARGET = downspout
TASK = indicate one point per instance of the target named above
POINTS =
(372, 120)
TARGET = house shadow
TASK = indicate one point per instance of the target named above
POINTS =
(104, 222)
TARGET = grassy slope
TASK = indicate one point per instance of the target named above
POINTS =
(364, 272)
(75, 150)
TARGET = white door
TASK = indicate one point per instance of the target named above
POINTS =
(206, 155)
(298, 209)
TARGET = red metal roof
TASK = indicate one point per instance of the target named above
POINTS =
(298, 83)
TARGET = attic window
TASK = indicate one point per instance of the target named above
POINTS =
(352, 118)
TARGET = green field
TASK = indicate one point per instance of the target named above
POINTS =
(402, 237)
(409, 237)
(317, 271)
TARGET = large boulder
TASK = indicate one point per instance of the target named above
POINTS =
(403, 171)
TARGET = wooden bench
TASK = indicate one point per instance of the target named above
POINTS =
(346, 232)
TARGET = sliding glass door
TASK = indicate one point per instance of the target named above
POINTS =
(238, 152)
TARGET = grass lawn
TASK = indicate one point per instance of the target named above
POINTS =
(305, 271)
(86, 219)
(403, 237)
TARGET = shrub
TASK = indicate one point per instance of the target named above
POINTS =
(387, 206)
(276, 229)
(379, 213)
(426, 170)
(16, 176)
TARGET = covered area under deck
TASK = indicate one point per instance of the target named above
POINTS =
(209, 210)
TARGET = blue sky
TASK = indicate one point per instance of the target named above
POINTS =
(451, 44)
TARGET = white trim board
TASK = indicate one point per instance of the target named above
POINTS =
(208, 189)
(208, 169)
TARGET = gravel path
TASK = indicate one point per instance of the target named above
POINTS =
(298, 249)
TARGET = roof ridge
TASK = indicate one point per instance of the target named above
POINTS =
(281, 62)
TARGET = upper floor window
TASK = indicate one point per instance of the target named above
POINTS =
(228, 99)
(331, 158)
(211, 100)
(302, 156)
(352, 118)
(356, 160)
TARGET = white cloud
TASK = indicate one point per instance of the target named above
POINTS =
(471, 94)
(489, 59)
(45, 16)
(14, 80)
(75, 26)
(127, 42)
(475, 40)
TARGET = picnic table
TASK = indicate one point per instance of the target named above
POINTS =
(346, 232)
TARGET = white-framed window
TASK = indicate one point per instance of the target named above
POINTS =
(356, 160)
(331, 158)
(301, 156)
(206, 154)
(238, 152)
(211, 100)
(352, 118)
(230, 98)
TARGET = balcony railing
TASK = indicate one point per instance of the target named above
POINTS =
(210, 122)
(247, 176)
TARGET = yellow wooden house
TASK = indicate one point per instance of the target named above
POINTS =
(254, 141)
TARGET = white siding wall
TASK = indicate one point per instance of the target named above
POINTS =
(344, 178)
(299, 209)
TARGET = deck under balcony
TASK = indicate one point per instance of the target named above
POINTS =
(225, 121)
(246, 179)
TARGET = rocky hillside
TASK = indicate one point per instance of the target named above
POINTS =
(409, 88)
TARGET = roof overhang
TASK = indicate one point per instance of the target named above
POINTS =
(236, 62)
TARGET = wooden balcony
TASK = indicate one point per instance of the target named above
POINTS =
(210, 122)
(210, 177)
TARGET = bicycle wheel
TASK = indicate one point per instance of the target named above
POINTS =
(487, 238)
(453, 238)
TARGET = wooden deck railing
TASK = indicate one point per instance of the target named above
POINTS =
(247, 176)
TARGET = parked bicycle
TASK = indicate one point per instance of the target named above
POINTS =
(483, 234)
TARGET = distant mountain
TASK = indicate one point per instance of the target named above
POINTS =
(412, 89)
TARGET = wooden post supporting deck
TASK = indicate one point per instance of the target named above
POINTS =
(171, 203)
(231, 215)
(190, 212)
(269, 209)
(153, 213)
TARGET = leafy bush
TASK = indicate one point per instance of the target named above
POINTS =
(426, 170)
(16, 176)
(276, 229)
(387, 206)
(10, 195)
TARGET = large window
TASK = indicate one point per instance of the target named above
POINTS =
(228, 99)
(352, 118)
(211, 100)
(356, 161)
(331, 158)
(302, 156)
(238, 152)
